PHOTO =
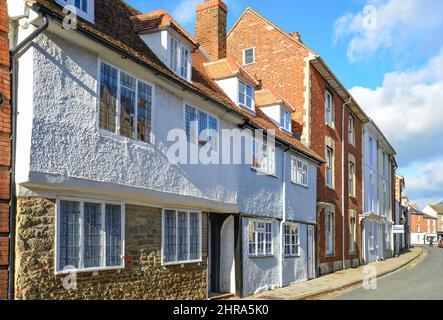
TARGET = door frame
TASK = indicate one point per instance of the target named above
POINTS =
(311, 243)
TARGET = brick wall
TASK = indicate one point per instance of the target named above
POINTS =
(210, 28)
(5, 149)
(144, 278)
(279, 61)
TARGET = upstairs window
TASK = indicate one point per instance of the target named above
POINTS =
(329, 109)
(329, 167)
(246, 95)
(201, 128)
(125, 104)
(179, 59)
(351, 130)
(249, 56)
(299, 172)
(351, 179)
(285, 120)
(83, 8)
(263, 157)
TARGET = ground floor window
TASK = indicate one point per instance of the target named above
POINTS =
(352, 232)
(260, 238)
(182, 231)
(291, 240)
(329, 233)
(90, 235)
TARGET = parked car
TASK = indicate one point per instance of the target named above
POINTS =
(440, 243)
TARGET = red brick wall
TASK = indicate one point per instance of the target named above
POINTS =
(210, 28)
(5, 150)
(279, 61)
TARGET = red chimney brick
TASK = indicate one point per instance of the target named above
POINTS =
(210, 29)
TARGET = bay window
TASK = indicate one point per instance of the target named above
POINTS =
(125, 104)
(182, 234)
(90, 235)
(260, 238)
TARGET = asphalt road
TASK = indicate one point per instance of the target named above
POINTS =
(419, 281)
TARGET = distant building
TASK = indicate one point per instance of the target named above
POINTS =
(423, 226)
(437, 211)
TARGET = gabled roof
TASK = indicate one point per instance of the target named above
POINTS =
(228, 68)
(158, 20)
(266, 97)
(111, 29)
(437, 207)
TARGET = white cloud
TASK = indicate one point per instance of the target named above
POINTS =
(408, 108)
(397, 25)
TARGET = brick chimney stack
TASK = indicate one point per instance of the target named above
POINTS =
(210, 28)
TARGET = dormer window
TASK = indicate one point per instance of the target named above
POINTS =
(246, 95)
(82, 8)
(179, 59)
(285, 120)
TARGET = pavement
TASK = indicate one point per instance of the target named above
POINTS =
(421, 280)
(345, 279)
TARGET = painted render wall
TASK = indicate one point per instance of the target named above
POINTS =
(295, 268)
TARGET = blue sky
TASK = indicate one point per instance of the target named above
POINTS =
(388, 53)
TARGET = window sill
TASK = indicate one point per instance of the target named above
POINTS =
(286, 131)
(330, 188)
(264, 173)
(120, 138)
(332, 126)
(292, 256)
(249, 110)
(85, 270)
(300, 184)
(262, 257)
(171, 264)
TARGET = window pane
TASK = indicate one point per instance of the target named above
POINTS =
(194, 233)
(169, 236)
(249, 56)
(213, 138)
(191, 124)
(184, 62)
(182, 236)
(144, 112)
(113, 235)
(108, 97)
(127, 107)
(69, 241)
(174, 54)
(202, 126)
(252, 238)
(93, 235)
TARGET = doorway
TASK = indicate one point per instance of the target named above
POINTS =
(311, 252)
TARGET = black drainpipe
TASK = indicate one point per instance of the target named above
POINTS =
(13, 54)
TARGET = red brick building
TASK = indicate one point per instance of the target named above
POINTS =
(284, 64)
(5, 150)
(423, 227)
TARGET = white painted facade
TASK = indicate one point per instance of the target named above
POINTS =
(377, 219)
(63, 153)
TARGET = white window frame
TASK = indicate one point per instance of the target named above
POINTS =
(352, 232)
(418, 227)
(255, 233)
(330, 185)
(283, 121)
(295, 170)
(351, 130)
(330, 234)
(294, 247)
(181, 48)
(352, 176)
(81, 202)
(244, 103)
(244, 56)
(196, 134)
(188, 261)
(87, 15)
(329, 113)
(118, 105)
(270, 157)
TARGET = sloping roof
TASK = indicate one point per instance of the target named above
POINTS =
(266, 97)
(227, 68)
(156, 20)
(437, 207)
(112, 29)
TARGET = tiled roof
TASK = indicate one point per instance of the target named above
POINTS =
(158, 19)
(226, 68)
(111, 27)
(437, 207)
(266, 97)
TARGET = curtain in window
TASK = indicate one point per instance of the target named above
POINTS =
(113, 235)
(69, 245)
(92, 236)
